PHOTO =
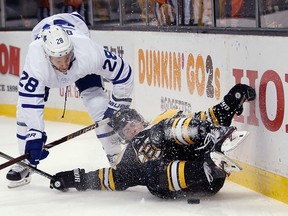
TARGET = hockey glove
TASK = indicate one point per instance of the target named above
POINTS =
(108, 113)
(69, 179)
(116, 104)
(232, 103)
(35, 141)
(237, 96)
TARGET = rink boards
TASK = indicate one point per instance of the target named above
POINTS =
(191, 72)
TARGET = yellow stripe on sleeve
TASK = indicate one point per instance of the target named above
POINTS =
(169, 177)
(174, 125)
(212, 114)
(203, 116)
(185, 131)
(111, 180)
(182, 181)
(101, 177)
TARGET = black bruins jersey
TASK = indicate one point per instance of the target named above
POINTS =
(167, 157)
(160, 152)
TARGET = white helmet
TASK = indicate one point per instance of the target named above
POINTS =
(56, 42)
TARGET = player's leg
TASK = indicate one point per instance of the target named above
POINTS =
(18, 175)
(96, 101)
(175, 178)
(222, 138)
(224, 162)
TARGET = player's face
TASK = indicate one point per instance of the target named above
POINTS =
(131, 129)
(61, 63)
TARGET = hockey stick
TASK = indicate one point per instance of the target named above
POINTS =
(33, 169)
(57, 142)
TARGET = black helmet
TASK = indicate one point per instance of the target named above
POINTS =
(122, 117)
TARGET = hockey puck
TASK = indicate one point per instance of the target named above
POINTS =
(193, 201)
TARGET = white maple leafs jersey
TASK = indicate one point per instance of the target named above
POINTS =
(89, 58)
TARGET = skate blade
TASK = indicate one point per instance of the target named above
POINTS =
(22, 182)
(224, 162)
(235, 139)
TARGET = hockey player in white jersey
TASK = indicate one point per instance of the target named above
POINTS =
(62, 53)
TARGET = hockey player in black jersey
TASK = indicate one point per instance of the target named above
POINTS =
(174, 155)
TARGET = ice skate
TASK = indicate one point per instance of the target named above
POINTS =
(225, 139)
(18, 176)
(224, 162)
(233, 140)
(214, 139)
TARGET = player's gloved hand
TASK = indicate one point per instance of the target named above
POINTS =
(69, 179)
(232, 103)
(237, 95)
(116, 104)
(108, 113)
(35, 141)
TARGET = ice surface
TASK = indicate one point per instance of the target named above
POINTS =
(85, 152)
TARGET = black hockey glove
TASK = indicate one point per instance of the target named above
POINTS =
(69, 179)
(237, 96)
(232, 103)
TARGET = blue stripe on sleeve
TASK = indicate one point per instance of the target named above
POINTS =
(121, 99)
(32, 106)
(21, 124)
(46, 26)
(125, 79)
(62, 22)
(21, 137)
(31, 95)
(79, 16)
(99, 136)
(119, 72)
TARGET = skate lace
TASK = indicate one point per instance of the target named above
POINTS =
(18, 168)
(208, 172)
(209, 139)
(223, 133)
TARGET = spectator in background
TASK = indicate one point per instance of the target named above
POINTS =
(43, 9)
(202, 11)
(165, 12)
(188, 13)
(101, 10)
(151, 10)
(80, 6)
(70, 6)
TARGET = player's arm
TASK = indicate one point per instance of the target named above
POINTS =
(232, 103)
(30, 112)
(108, 179)
(120, 74)
(184, 131)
